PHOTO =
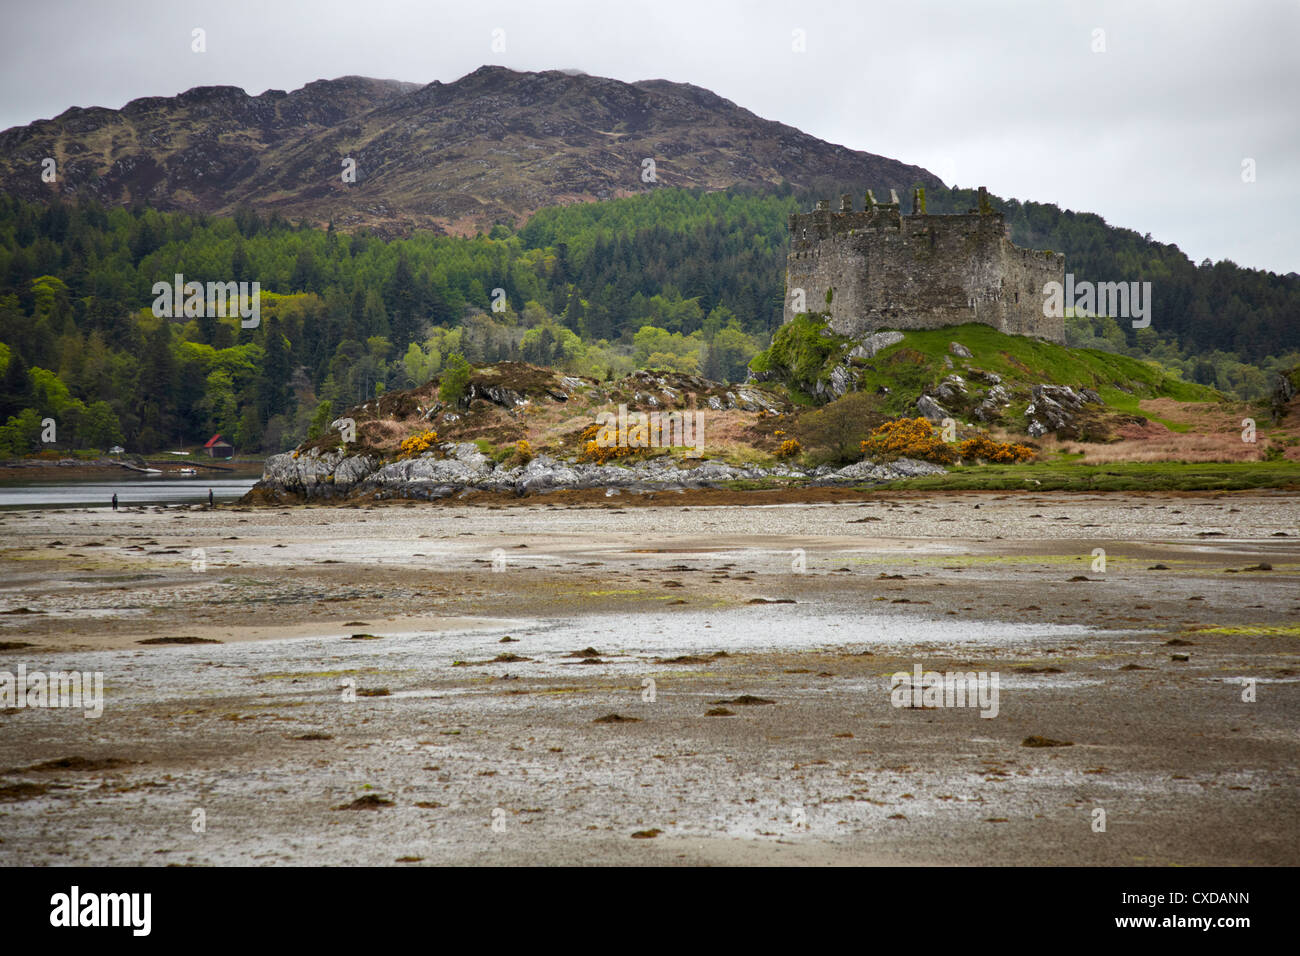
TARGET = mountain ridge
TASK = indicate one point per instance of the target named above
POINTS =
(491, 147)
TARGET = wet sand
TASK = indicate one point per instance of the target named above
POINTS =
(284, 720)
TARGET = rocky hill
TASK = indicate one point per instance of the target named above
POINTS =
(518, 429)
(494, 146)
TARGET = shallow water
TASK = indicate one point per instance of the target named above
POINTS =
(131, 489)
(628, 644)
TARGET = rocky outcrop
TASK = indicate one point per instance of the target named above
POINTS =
(874, 343)
(841, 380)
(951, 390)
(312, 474)
(884, 471)
(990, 409)
(507, 398)
(844, 377)
(1055, 407)
(457, 468)
(931, 409)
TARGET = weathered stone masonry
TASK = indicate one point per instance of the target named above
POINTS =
(885, 270)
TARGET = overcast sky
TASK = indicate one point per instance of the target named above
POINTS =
(1151, 130)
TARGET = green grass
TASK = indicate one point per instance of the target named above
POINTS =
(498, 453)
(802, 350)
(1121, 476)
(1121, 381)
(800, 355)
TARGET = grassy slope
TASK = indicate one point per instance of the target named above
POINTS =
(1024, 361)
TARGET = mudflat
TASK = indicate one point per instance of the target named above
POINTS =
(683, 681)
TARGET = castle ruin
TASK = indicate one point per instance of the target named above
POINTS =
(878, 269)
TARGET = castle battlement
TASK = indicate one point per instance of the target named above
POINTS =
(876, 268)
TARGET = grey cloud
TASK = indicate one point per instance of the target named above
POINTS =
(1149, 134)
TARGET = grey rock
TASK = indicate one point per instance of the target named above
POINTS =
(842, 379)
(956, 348)
(931, 409)
(467, 452)
(758, 399)
(951, 389)
(544, 473)
(426, 471)
(507, 398)
(886, 471)
(1053, 407)
(1060, 394)
(351, 471)
(874, 343)
(990, 409)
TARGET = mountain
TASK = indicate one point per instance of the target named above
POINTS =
(492, 147)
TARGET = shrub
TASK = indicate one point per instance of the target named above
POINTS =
(455, 379)
(799, 351)
(418, 444)
(789, 448)
(524, 450)
(835, 431)
(600, 453)
(320, 420)
(908, 438)
(983, 448)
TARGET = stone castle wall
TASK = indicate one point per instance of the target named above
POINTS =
(885, 270)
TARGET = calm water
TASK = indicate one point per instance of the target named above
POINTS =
(131, 489)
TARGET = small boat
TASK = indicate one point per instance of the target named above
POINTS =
(186, 472)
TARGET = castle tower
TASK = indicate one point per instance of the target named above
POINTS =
(880, 269)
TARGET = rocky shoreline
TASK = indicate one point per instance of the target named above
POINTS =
(456, 468)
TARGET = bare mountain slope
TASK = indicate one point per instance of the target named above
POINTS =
(493, 146)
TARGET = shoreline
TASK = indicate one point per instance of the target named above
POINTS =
(451, 722)
(38, 469)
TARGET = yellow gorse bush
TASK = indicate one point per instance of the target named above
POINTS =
(789, 448)
(418, 444)
(593, 450)
(915, 438)
(908, 438)
(986, 449)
